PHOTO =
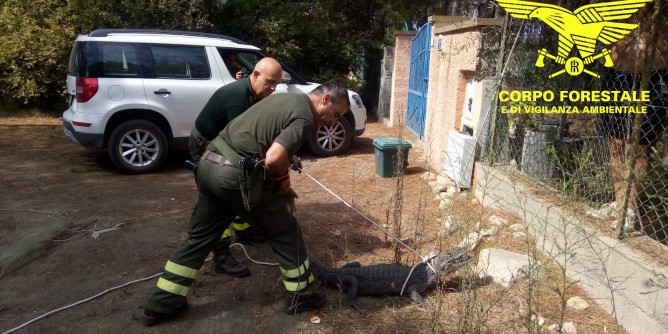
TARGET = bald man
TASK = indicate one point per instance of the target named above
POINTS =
(231, 100)
(227, 103)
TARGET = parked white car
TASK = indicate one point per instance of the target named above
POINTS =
(137, 93)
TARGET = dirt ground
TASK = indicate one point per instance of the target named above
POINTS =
(48, 182)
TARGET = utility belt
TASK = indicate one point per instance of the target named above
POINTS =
(251, 177)
(244, 163)
(200, 141)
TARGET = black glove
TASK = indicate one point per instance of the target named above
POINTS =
(296, 164)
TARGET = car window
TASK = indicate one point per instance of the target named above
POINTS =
(120, 60)
(249, 58)
(236, 61)
(180, 62)
(74, 56)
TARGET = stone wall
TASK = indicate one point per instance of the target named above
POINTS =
(400, 71)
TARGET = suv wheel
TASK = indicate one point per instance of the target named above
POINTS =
(331, 139)
(137, 147)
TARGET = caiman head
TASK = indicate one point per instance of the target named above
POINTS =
(446, 262)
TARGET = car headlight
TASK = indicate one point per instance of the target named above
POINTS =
(358, 101)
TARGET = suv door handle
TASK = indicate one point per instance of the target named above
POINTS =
(161, 91)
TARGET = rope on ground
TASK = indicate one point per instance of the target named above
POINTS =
(425, 259)
(85, 300)
(116, 288)
(362, 214)
(54, 213)
(249, 258)
(119, 287)
(80, 302)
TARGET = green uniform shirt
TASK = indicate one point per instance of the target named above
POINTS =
(284, 118)
(225, 104)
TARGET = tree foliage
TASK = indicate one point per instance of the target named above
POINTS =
(326, 39)
(322, 39)
(36, 37)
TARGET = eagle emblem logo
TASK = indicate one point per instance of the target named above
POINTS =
(581, 28)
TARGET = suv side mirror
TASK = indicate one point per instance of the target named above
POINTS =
(287, 78)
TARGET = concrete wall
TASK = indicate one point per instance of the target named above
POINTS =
(400, 71)
(620, 279)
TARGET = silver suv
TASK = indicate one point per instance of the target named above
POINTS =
(137, 93)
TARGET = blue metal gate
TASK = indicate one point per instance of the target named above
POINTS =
(418, 78)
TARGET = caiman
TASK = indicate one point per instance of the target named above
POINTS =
(389, 279)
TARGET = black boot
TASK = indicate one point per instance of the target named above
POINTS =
(152, 318)
(298, 302)
(226, 264)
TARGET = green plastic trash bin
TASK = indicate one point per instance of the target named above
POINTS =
(390, 152)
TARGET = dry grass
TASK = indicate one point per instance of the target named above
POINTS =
(462, 303)
(465, 304)
(654, 252)
(23, 117)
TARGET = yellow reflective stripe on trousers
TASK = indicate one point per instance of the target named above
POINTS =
(241, 226)
(294, 273)
(180, 270)
(226, 234)
(172, 287)
(298, 286)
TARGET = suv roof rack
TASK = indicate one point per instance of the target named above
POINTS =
(106, 32)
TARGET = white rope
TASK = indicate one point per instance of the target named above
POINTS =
(361, 214)
(249, 258)
(427, 260)
(85, 300)
(80, 302)
(118, 287)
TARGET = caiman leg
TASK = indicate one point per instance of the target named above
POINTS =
(415, 296)
(350, 284)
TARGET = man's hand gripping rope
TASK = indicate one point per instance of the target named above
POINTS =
(285, 189)
(296, 164)
(284, 186)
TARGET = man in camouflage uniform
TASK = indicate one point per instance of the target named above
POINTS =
(254, 152)
(227, 103)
